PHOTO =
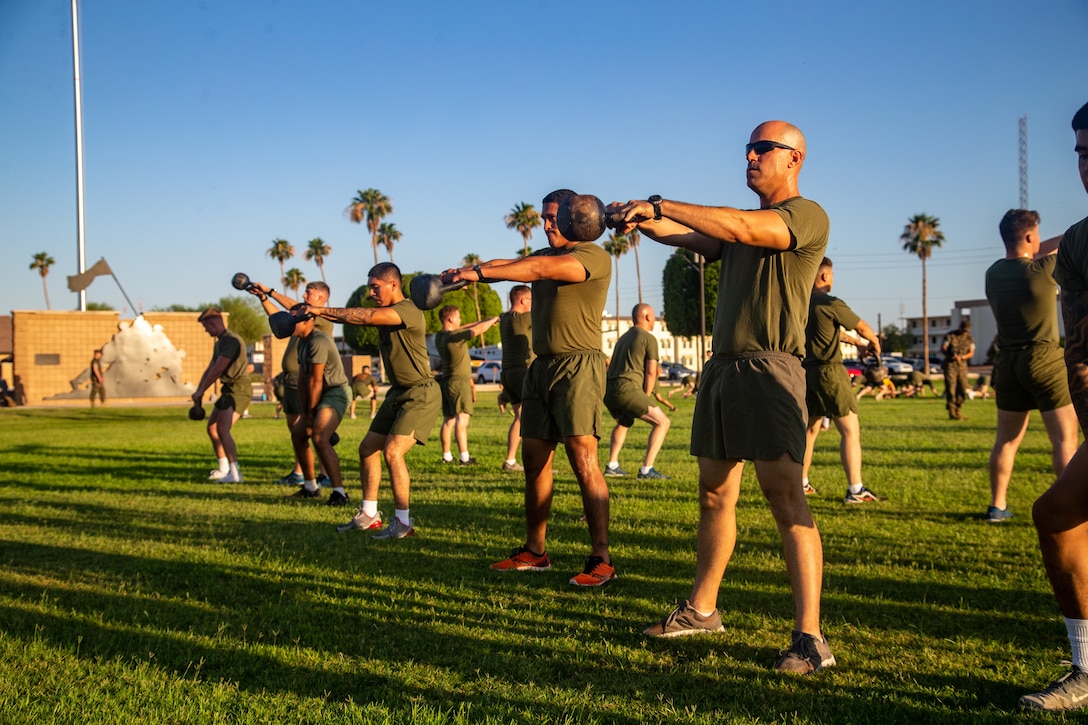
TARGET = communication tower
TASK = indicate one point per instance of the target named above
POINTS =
(1024, 161)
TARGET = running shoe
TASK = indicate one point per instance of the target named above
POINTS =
(996, 516)
(862, 496)
(597, 573)
(1068, 692)
(216, 474)
(231, 477)
(362, 522)
(807, 654)
(521, 559)
(684, 621)
(654, 474)
(291, 479)
(395, 530)
(338, 499)
(808, 489)
(615, 472)
(304, 493)
(512, 467)
(470, 462)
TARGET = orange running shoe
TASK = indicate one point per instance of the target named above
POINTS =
(597, 573)
(521, 559)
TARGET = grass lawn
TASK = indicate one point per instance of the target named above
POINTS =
(132, 590)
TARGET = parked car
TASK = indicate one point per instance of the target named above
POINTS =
(853, 368)
(488, 372)
(920, 365)
(674, 371)
(897, 365)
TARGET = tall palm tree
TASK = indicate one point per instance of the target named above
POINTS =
(281, 250)
(524, 218)
(370, 206)
(633, 238)
(472, 259)
(294, 279)
(316, 252)
(919, 237)
(42, 262)
(388, 235)
(617, 245)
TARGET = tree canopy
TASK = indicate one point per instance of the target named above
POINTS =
(680, 280)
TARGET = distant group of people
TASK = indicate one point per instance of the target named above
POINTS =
(774, 383)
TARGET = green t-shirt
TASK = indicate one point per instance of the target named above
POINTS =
(453, 349)
(404, 347)
(289, 363)
(567, 315)
(1023, 296)
(1071, 269)
(229, 345)
(319, 349)
(516, 333)
(826, 314)
(763, 294)
(633, 349)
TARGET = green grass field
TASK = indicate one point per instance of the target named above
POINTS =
(133, 590)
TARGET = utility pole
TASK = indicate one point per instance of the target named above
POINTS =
(81, 247)
(1024, 161)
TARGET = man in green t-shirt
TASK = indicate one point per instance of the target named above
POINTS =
(230, 366)
(411, 404)
(317, 294)
(364, 385)
(630, 381)
(1061, 513)
(323, 399)
(1029, 362)
(829, 394)
(561, 399)
(516, 333)
(98, 379)
(455, 380)
(751, 402)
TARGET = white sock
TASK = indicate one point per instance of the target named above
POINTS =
(224, 465)
(856, 487)
(310, 484)
(644, 469)
(234, 469)
(340, 489)
(465, 456)
(511, 461)
(370, 508)
(447, 456)
(613, 464)
(804, 481)
(402, 516)
(1077, 629)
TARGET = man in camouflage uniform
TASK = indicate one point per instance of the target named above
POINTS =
(958, 349)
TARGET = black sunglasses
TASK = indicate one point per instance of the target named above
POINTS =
(762, 147)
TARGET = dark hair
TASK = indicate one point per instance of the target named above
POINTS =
(558, 196)
(826, 262)
(209, 312)
(518, 291)
(320, 287)
(445, 312)
(385, 271)
(1015, 224)
(1080, 118)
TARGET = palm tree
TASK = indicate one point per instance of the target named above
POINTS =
(633, 238)
(919, 237)
(471, 259)
(617, 245)
(388, 235)
(294, 279)
(523, 252)
(370, 206)
(42, 262)
(316, 252)
(281, 250)
(524, 218)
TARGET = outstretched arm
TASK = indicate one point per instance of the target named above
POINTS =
(374, 316)
(562, 268)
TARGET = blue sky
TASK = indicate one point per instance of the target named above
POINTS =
(213, 127)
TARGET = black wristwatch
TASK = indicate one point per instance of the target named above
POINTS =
(656, 201)
(478, 271)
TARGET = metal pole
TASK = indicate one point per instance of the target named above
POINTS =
(81, 249)
(702, 315)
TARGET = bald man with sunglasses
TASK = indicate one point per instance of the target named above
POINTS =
(751, 403)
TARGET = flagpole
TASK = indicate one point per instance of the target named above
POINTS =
(81, 250)
(123, 293)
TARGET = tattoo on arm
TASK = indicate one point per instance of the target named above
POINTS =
(351, 315)
(1075, 313)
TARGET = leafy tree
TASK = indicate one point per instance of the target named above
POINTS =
(316, 252)
(680, 281)
(919, 237)
(388, 235)
(617, 246)
(98, 306)
(523, 252)
(293, 280)
(247, 319)
(524, 218)
(370, 206)
(895, 339)
(363, 339)
(42, 262)
(281, 250)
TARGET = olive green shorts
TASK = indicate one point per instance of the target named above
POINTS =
(513, 382)
(361, 390)
(751, 407)
(562, 396)
(291, 403)
(1031, 378)
(336, 398)
(829, 392)
(236, 395)
(456, 396)
(625, 401)
(409, 411)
